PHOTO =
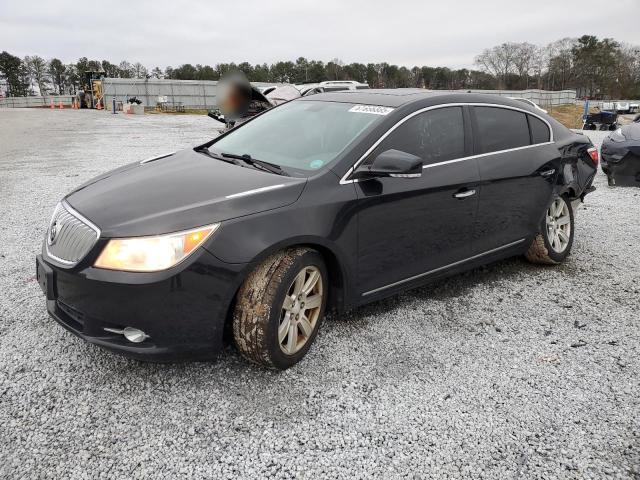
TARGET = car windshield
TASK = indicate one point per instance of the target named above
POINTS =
(300, 136)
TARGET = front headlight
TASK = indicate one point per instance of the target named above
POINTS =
(151, 254)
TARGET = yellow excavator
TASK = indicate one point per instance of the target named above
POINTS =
(90, 94)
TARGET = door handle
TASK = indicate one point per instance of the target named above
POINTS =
(464, 194)
(548, 173)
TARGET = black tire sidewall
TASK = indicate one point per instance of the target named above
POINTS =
(280, 359)
(553, 255)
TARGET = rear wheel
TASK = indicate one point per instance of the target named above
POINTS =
(280, 308)
(553, 242)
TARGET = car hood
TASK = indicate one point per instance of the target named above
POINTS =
(184, 190)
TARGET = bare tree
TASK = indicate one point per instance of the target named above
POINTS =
(559, 63)
(57, 71)
(138, 70)
(523, 60)
(37, 69)
(499, 61)
(157, 73)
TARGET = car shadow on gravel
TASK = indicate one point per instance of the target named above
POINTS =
(454, 287)
(451, 291)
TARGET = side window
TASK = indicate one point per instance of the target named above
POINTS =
(500, 129)
(435, 136)
(539, 130)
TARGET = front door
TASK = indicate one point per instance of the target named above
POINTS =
(408, 227)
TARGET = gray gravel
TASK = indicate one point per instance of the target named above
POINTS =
(508, 371)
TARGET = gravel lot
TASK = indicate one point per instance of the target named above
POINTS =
(509, 371)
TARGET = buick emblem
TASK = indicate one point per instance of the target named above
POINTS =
(53, 231)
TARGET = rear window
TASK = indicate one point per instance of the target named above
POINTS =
(539, 130)
(500, 129)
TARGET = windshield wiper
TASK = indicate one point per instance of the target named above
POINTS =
(267, 166)
(209, 153)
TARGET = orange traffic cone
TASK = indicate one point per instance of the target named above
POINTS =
(60, 106)
(52, 105)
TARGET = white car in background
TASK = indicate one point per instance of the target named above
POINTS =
(330, 86)
(529, 102)
(623, 107)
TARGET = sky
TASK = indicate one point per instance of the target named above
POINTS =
(413, 32)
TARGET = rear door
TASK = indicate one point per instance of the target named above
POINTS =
(517, 164)
(408, 227)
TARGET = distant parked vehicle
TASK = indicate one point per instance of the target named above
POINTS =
(601, 121)
(623, 107)
(529, 102)
(634, 107)
(621, 155)
(330, 86)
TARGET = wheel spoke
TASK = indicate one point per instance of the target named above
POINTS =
(311, 282)
(305, 326)
(563, 236)
(292, 341)
(298, 283)
(284, 328)
(313, 301)
(559, 206)
(563, 220)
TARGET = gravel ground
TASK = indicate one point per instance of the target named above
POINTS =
(508, 371)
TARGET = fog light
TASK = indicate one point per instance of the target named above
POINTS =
(134, 335)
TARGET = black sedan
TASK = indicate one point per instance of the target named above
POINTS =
(621, 156)
(322, 203)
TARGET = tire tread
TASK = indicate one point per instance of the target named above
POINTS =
(254, 301)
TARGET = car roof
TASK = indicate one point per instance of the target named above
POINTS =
(396, 97)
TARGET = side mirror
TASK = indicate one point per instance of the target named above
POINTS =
(391, 163)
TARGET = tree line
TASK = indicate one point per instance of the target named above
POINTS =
(597, 68)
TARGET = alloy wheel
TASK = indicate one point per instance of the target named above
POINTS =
(558, 225)
(300, 310)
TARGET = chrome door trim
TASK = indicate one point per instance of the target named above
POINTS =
(435, 270)
(345, 178)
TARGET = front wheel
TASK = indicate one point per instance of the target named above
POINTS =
(553, 242)
(280, 307)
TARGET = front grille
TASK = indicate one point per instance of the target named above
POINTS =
(69, 238)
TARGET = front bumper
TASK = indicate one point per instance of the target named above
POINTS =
(183, 314)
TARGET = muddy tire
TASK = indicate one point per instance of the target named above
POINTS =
(279, 308)
(554, 240)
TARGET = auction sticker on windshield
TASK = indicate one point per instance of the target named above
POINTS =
(375, 109)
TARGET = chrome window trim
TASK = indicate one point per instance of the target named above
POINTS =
(345, 180)
(435, 270)
(82, 218)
